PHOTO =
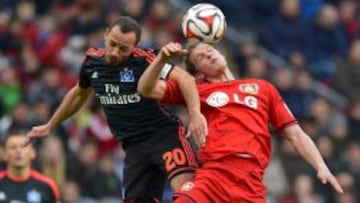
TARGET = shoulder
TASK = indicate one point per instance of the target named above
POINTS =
(2, 174)
(42, 178)
(95, 52)
(93, 56)
(148, 54)
(47, 181)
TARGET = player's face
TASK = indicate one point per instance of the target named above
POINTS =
(208, 60)
(118, 45)
(16, 155)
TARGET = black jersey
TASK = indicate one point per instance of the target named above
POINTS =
(35, 189)
(130, 116)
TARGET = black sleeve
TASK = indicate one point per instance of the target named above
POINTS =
(84, 81)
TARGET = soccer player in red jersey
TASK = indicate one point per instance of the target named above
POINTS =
(238, 112)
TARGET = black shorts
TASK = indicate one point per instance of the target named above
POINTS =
(150, 162)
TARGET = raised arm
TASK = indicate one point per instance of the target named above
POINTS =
(151, 86)
(71, 103)
(307, 149)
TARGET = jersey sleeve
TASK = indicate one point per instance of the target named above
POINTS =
(84, 81)
(280, 114)
(172, 93)
(166, 69)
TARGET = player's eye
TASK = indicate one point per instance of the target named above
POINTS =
(124, 49)
(200, 56)
(113, 44)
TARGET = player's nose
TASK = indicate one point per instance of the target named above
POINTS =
(209, 55)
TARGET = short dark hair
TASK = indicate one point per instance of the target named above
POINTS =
(126, 25)
(13, 133)
(190, 46)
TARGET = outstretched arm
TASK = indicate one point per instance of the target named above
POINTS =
(71, 103)
(308, 151)
(151, 86)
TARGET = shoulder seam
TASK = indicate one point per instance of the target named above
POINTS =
(95, 52)
(148, 54)
(48, 181)
(2, 174)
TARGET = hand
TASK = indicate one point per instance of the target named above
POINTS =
(198, 129)
(326, 176)
(37, 132)
(171, 50)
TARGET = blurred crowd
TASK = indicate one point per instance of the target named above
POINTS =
(42, 45)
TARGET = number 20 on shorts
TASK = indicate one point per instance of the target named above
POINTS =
(174, 158)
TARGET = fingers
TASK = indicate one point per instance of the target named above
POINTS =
(36, 132)
(204, 129)
(28, 140)
(330, 178)
(201, 138)
(173, 49)
(198, 137)
(335, 184)
(198, 129)
(166, 52)
(184, 51)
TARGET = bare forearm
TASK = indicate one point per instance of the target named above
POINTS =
(307, 149)
(68, 107)
(150, 77)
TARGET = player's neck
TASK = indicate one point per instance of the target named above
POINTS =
(224, 77)
(19, 174)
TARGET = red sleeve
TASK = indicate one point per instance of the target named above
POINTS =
(172, 93)
(280, 114)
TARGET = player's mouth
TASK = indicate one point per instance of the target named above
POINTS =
(18, 158)
(111, 59)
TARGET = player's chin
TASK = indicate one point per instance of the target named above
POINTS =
(114, 62)
(19, 165)
(219, 68)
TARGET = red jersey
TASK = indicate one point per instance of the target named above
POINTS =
(238, 114)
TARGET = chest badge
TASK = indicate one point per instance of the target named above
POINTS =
(127, 76)
(2, 196)
(33, 196)
(250, 88)
(217, 99)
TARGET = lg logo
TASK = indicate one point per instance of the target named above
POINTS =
(249, 101)
(220, 99)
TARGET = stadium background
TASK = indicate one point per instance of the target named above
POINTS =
(308, 48)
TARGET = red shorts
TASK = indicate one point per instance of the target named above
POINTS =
(230, 179)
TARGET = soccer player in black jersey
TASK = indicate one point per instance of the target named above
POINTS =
(18, 182)
(153, 140)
